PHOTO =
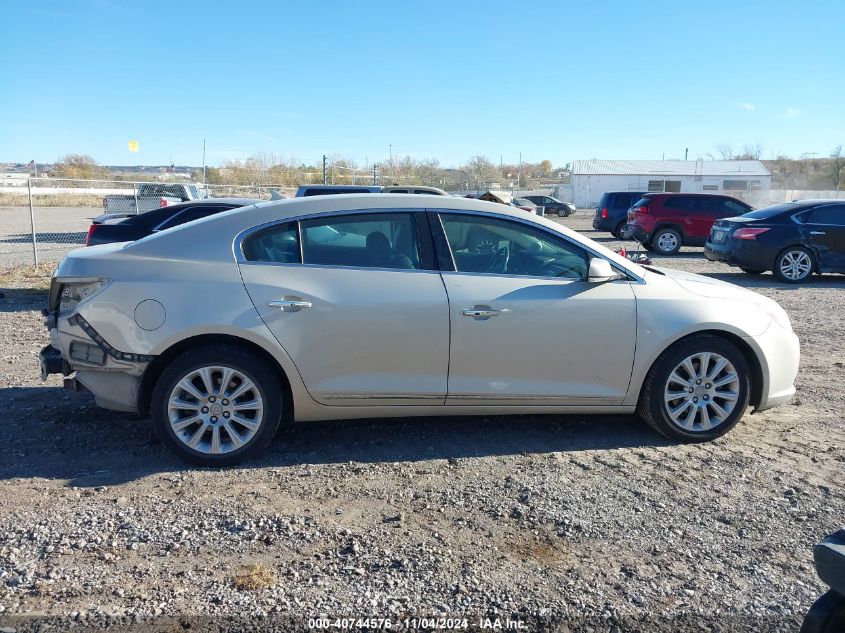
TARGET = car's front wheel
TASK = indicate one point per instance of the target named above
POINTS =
(697, 390)
(216, 406)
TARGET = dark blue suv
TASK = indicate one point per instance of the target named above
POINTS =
(612, 211)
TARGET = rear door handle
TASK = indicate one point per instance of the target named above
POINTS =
(482, 313)
(289, 305)
(818, 233)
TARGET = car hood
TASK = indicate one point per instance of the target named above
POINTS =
(709, 287)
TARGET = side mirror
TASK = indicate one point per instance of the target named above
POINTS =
(601, 271)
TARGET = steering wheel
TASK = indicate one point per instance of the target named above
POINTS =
(499, 263)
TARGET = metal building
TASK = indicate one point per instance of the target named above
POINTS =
(747, 180)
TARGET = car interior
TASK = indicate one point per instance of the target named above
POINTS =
(485, 245)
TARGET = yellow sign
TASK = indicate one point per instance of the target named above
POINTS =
(133, 146)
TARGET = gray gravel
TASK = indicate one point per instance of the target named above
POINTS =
(592, 521)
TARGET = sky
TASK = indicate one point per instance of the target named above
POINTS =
(560, 80)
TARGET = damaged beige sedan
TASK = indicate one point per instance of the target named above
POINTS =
(361, 306)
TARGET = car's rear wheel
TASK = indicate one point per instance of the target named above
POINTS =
(794, 265)
(697, 390)
(666, 241)
(617, 231)
(216, 406)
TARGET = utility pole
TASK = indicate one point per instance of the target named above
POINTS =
(325, 171)
(203, 161)
(686, 153)
(519, 172)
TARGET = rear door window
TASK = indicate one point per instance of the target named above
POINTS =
(371, 240)
(831, 215)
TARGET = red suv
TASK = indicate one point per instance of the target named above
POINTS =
(664, 222)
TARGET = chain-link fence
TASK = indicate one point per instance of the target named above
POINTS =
(42, 220)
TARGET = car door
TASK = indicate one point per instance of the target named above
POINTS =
(824, 229)
(527, 328)
(356, 301)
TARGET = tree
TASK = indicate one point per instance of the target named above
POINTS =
(481, 172)
(752, 152)
(78, 167)
(725, 151)
(836, 166)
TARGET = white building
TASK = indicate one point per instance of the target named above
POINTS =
(747, 180)
(13, 178)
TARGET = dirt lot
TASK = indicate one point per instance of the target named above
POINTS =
(596, 521)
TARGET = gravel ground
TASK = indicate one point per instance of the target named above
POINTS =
(594, 522)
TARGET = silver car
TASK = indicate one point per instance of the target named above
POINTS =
(360, 306)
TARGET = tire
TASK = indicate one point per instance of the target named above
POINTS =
(802, 266)
(617, 231)
(259, 406)
(671, 417)
(750, 271)
(648, 247)
(666, 241)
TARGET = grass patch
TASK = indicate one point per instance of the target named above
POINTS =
(28, 277)
(254, 578)
(53, 200)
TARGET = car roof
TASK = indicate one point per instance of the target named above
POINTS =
(654, 194)
(218, 232)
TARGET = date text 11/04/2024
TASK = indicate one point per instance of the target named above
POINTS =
(493, 624)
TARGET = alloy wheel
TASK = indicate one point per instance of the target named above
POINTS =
(795, 265)
(215, 409)
(701, 392)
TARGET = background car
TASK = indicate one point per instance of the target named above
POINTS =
(663, 222)
(793, 240)
(553, 205)
(827, 615)
(612, 211)
(525, 204)
(420, 189)
(108, 228)
(361, 306)
(305, 191)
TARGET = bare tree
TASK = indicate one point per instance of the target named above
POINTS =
(836, 166)
(752, 152)
(481, 172)
(725, 151)
(80, 166)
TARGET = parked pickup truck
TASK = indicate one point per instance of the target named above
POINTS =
(151, 196)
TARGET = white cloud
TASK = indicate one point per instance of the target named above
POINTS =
(791, 113)
(748, 107)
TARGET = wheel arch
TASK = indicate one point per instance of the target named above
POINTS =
(160, 362)
(748, 352)
(670, 225)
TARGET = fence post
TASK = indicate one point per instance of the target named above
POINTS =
(135, 193)
(32, 222)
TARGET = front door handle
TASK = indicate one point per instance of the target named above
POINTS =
(480, 312)
(289, 305)
(818, 233)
